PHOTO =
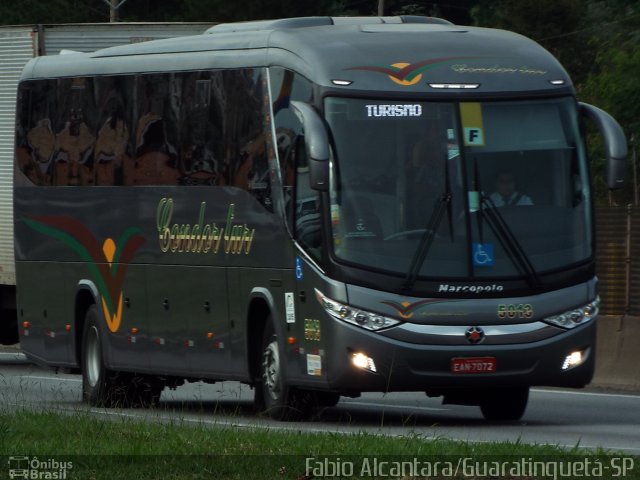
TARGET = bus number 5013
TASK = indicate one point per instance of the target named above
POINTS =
(515, 310)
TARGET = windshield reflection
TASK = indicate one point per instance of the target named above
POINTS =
(394, 162)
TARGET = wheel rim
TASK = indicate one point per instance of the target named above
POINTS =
(93, 360)
(271, 370)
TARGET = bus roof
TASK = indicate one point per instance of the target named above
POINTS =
(396, 54)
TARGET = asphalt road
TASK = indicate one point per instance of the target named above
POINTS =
(557, 417)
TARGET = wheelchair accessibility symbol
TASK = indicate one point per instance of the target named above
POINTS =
(483, 255)
(299, 273)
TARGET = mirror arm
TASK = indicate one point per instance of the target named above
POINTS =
(615, 144)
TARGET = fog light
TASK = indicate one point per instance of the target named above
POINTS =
(573, 360)
(360, 360)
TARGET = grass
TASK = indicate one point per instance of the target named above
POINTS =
(134, 449)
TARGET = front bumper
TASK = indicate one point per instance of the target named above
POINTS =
(402, 365)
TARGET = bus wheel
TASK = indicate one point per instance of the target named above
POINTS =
(505, 404)
(279, 400)
(99, 385)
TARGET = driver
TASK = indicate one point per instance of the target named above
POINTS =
(506, 193)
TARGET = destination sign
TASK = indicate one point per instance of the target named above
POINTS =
(410, 110)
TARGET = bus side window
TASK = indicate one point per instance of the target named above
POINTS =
(307, 201)
(286, 139)
(155, 154)
(245, 142)
(113, 158)
(286, 86)
(35, 139)
(73, 160)
(201, 149)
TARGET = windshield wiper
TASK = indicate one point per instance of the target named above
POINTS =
(426, 240)
(505, 235)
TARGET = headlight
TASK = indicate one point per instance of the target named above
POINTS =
(355, 316)
(575, 317)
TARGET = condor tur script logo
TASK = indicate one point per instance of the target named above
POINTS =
(107, 262)
(407, 74)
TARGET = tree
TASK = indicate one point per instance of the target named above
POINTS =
(114, 6)
(612, 82)
(52, 11)
(598, 43)
(79, 11)
(456, 11)
(225, 11)
(558, 25)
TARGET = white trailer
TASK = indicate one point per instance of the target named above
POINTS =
(18, 44)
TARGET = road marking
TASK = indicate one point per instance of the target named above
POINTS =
(215, 422)
(57, 379)
(384, 405)
(365, 404)
(591, 394)
(342, 429)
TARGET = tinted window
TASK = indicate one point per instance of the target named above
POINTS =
(35, 136)
(113, 153)
(156, 145)
(246, 161)
(198, 128)
(287, 86)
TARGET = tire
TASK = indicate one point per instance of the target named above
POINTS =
(100, 387)
(273, 396)
(505, 404)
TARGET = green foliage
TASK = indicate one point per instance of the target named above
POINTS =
(94, 447)
(223, 11)
(598, 42)
(79, 11)
(612, 80)
(52, 11)
(558, 25)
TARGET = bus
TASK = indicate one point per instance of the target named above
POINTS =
(308, 206)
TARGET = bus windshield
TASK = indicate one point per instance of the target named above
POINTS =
(458, 190)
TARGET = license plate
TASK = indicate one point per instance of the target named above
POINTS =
(473, 365)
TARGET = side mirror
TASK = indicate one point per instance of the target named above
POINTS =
(615, 144)
(316, 144)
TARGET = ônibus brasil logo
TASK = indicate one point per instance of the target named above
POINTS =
(407, 74)
(107, 262)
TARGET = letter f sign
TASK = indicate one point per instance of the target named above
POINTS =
(473, 136)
